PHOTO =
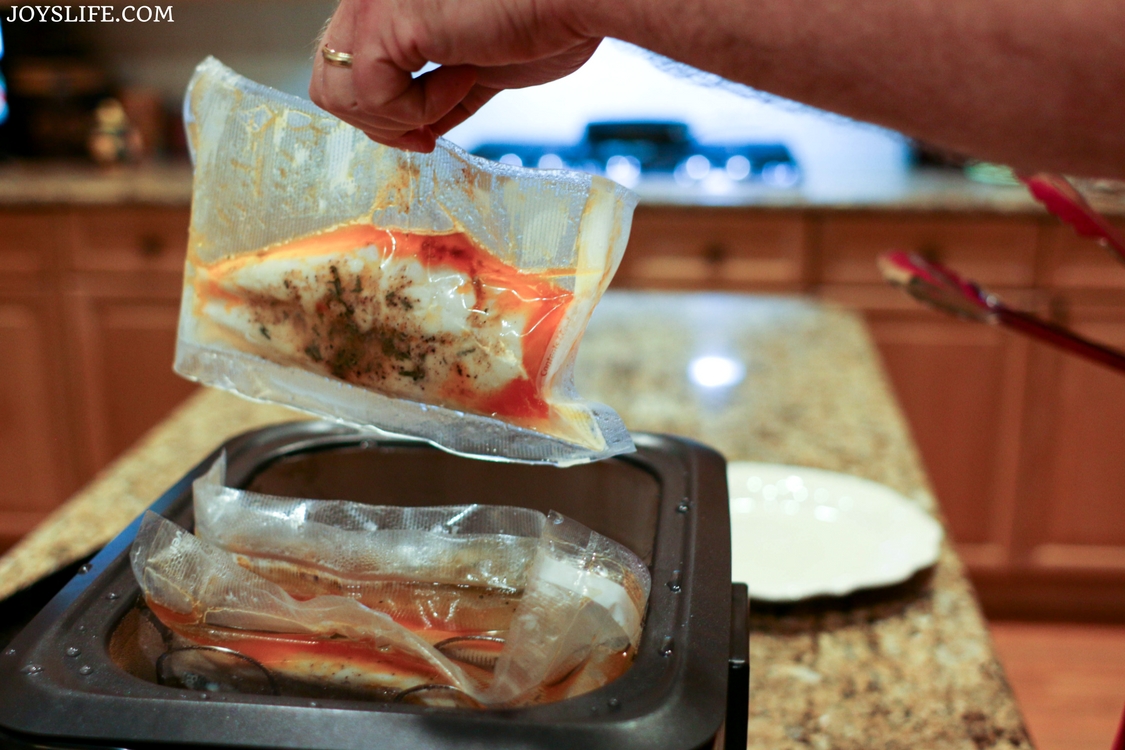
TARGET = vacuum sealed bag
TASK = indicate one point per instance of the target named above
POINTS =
(439, 296)
(498, 606)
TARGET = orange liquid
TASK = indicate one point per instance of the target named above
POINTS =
(284, 653)
(279, 651)
(585, 678)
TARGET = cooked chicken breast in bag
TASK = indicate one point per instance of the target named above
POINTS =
(438, 296)
(500, 606)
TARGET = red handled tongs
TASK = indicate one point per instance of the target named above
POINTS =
(942, 289)
(1060, 198)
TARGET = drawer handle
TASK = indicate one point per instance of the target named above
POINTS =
(152, 246)
(931, 253)
(1059, 310)
(714, 253)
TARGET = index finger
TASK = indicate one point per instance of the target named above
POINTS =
(378, 93)
(386, 92)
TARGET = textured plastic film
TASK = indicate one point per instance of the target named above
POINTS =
(448, 570)
(202, 593)
(438, 295)
(592, 592)
(502, 603)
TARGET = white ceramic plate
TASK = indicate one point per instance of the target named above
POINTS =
(798, 532)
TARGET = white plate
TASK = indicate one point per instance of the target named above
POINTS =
(798, 532)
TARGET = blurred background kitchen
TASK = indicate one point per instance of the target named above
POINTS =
(740, 193)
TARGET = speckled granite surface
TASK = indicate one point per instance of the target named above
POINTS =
(906, 667)
(32, 184)
(35, 184)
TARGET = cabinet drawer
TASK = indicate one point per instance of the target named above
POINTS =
(999, 252)
(884, 298)
(130, 239)
(29, 241)
(1073, 262)
(713, 249)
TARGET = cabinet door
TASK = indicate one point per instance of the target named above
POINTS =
(672, 248)
(994, 252)
(132, 239)
(1076, 482)
(1073, 262)
(35, 450)
(30, 241)
(124, 332)
(961, 388)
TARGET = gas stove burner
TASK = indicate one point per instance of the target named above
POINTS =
(629, 152)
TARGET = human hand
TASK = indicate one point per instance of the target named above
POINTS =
(482, 46)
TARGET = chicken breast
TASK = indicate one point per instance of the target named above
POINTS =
(431, 318)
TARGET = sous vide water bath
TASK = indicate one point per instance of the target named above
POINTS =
(85, 670)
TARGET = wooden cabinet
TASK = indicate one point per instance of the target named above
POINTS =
(1025, 446)
(124, 339)
(1073, 262)
(36, 472)
(89, 300)
(1068, 551)
(991, 251)
(715, 249)
(129, 240)
(30, 244)
(1083, 523)
(36, 450)
(122, 295)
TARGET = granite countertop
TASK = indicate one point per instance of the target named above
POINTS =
(25, 184)
(910, 666)
(169, 184)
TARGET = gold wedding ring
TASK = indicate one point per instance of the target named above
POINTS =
(339, 59)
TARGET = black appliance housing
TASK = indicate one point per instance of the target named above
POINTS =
(63, 682)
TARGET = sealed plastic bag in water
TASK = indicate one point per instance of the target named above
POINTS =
(502, 605)
(437, 295)
(456, 570)
(201, 593)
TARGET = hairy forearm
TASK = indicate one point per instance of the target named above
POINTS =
(1040, 86)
